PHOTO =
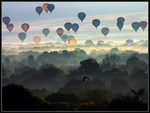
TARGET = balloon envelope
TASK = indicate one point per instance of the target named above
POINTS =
(45, 7)
(10, 27)
(129, 42)
(96, 22)
(143, 24)
(46, 31)
(25, 27)
(68, 26)
(120, 19)
(72, 42)
(75, 27)
(50, 7)
(64, 37)
(22, 36)
(6, 20)
(100, 42)
(60, 31)
(105, 30)
(36, 39)
(120, 25)
(135, 26)
(39, 9)
(70, 37)
(89, 42)
(81, 16)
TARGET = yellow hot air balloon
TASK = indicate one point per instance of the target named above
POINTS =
(36, 39)
(72, 41)
(45, 7)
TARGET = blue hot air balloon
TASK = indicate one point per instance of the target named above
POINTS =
(105, 31)
(6, 20)
(50, 7)
(135, 26)
(68, 26)
(39, 10)
(64, 37)
(89, 42)
(129, 42)
(10, 27)
(60, 31)
(81, 16)
(120, 25)
(120, 19)
(75, 27)
(96, 22)
(22, 36)
(46, 31)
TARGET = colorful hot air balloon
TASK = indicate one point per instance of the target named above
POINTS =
(105, 31)
(70, 37)
(10, 27)
(64, 37)
(72, 41)
(45, 7)
(129, 42)
(89, 42)
(81, 16)
(50, 7)
(36, 39)
(25, 27)
(100, 42)
(6, 20)
(75, 27)
(22, 36)
(120, 19)
(46, 31)
(143, 24)
(120, 25)
(68, 26)
(135, 26)
(96, 22)
(39, 10)
(60, 31)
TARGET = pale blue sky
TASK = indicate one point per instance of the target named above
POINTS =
(107, 12)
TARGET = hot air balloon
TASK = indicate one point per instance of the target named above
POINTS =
(81, 16)
(70, 37)
(100, 42)
(10, 27)
(68, 26)
(50, 7)
(36, 39)
(64, 37)
(129, 42)
(25, 27)
(22, 36)
(39, 10)
(60, 31)
(120, 25)
(46, 31)
(75, 27)
(135, 26)
(120, 19)
(105, 31)
(45, 7)
(96, 22)
(143, 24)
(72, 41)
(89, 42)
(6, 20)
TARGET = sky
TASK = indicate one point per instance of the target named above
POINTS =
(106, 12)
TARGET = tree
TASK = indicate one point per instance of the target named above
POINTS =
(90, 67)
